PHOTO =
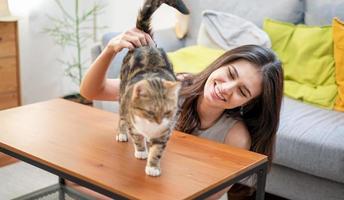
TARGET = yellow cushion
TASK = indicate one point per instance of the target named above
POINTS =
(307, 56)
(193, 59)
(338, 39)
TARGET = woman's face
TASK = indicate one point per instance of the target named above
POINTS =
(233, 85)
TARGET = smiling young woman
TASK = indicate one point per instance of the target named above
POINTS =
(242, 89)
(236, 101)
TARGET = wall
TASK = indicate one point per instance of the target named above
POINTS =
(42, 76)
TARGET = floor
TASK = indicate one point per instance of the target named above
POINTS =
(20, 178)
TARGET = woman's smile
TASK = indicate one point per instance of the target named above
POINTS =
(216, 94)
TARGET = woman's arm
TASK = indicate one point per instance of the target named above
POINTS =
(239, 136)
(95, 85)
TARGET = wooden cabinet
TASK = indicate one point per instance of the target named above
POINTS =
(9, 71)
(9, 65)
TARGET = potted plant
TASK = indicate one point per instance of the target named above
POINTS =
(74, 30)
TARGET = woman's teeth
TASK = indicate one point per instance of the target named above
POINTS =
(219, 94)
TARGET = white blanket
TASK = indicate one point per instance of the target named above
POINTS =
(227, 31)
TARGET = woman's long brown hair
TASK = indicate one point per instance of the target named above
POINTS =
(261, 115)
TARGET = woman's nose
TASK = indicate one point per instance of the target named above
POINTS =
(228, 87)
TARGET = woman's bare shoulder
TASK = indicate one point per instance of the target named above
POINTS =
(239, 136)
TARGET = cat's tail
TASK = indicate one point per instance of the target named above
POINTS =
(143, 21)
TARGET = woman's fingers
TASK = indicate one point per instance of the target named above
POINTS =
(141, 36)
(130, 39)
(183, 75)
(142, 40)
(128, 45)
(149, 40)
(137, 38)
(180, 77)
(145, 38)
(133, 39)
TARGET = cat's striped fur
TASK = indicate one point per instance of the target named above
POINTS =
(148, 94)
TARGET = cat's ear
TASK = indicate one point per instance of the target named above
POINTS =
(172, 87)
(140, 89)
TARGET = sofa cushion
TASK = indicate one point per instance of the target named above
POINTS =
(320, 12)
(338, 43)
(307, 56)
(310, 139)
(254, 11)
(193, 59)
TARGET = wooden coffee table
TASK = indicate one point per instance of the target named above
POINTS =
(77, 143)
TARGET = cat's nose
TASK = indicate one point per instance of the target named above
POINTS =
(158, 120)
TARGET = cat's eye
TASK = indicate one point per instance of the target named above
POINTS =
(168, 113)
(150, 113)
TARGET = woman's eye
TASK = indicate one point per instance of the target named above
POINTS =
(230, 75)
(242, 93)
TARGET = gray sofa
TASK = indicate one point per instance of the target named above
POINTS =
(309, 154)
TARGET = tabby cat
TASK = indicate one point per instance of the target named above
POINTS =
(148, 94)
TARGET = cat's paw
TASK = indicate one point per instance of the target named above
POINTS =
(152, 171)
(141, 155)
(122, 137)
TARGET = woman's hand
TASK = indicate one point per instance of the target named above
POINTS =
(183, 76)
(130, 39)
(95, 85)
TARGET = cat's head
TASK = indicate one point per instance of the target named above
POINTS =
(155, 100)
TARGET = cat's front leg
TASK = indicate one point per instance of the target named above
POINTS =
(156, 149)
(122, 131)
(140, 146)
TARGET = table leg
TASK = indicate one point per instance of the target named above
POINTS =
(261, 180)
(62, 183)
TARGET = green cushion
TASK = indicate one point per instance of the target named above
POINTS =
(308, 62)
(193, 59)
